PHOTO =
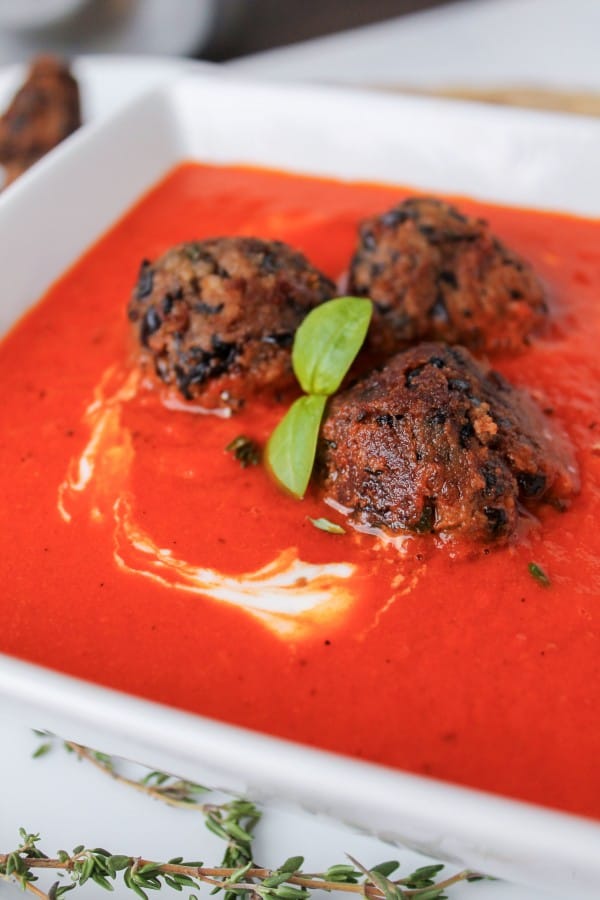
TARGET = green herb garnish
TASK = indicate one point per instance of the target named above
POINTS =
(292, 446)
(239, 882)
(326, 525)
(325, 347)
(327, 342)
(245, 450)
(538, 573)
(237, 875)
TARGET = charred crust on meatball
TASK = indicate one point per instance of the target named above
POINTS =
(436, 274)
(436, 442)
(216, 318)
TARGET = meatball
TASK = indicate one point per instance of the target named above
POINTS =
(217, 318)
(437, 442)
(435, 274)
(43, 112)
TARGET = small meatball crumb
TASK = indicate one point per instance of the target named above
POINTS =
(437, 442)
(436, 274)
(217, 318)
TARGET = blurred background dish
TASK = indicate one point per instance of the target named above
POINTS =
(539, 53)
(71, 27)
(536, 53)
(213, 29)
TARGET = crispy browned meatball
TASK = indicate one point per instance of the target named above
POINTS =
(435, 441)
(217, 318)
(436, 274)
(43, 112)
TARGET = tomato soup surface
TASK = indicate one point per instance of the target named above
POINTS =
(461, 667)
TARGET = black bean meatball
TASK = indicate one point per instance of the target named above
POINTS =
(44, 111)
(436, 274)
(437, 442)
(217, 318)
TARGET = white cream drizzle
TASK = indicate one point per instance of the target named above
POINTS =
(289, 596)
(174, 403)
(107, 456)
(399, 542)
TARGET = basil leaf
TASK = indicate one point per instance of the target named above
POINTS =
(291, 449)
(327, 342)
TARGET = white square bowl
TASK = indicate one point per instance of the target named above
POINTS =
(71, 198)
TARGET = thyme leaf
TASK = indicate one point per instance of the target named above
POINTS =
(538, 573)
(42, 750)
(326, 525)
(245, 450)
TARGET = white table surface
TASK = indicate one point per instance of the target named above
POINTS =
(544, 43)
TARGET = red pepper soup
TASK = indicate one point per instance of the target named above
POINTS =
(139, 554)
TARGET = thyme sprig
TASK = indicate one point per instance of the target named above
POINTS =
(233, 821)
(238, 875)
(159, 785)
(287, 882)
